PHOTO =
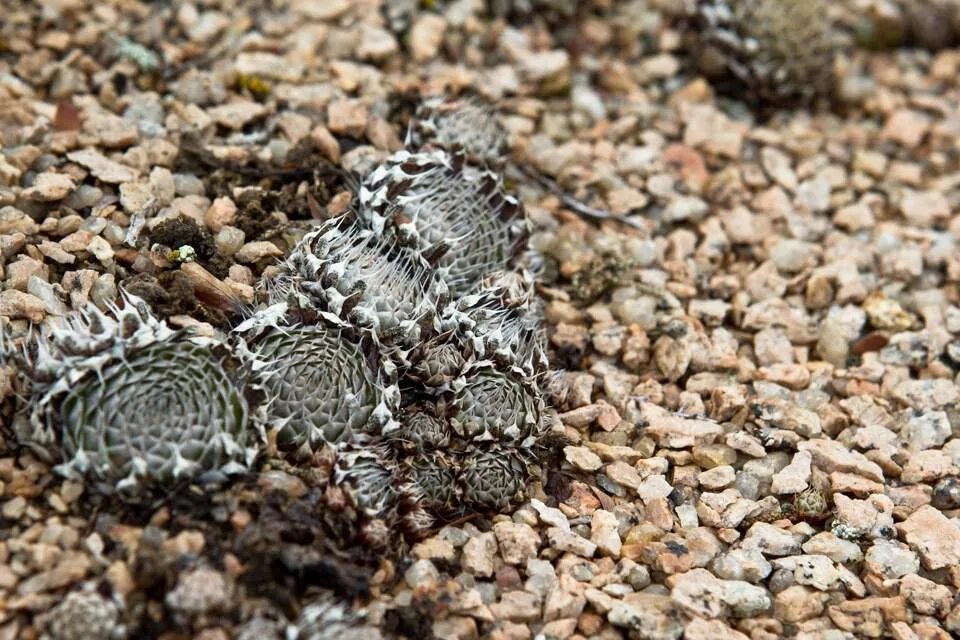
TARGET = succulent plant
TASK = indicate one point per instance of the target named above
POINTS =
(438, 205)
(776, 51)
(490, 404)
(381, 492)
(364, 279)
(169, 410)
(503, 322)
(466, 126)
(325, 384)
(421, 429)
(554, 9)
(130, 401)
(400, 15)
(882, 24)
(434, 480)
(438, 362)
(372, 479)
(492, 480)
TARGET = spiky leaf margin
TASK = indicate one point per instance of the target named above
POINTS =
(437, 204)
(365, 280)
(459, 125)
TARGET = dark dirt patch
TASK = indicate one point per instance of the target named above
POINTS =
(290, 548)
(171, 293)
(180, 231)
(402, 105)
(300, 186)
(257, 211)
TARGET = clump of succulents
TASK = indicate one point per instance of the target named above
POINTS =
(773, 51)
(401, 352)
(493, 480)
(131, 402)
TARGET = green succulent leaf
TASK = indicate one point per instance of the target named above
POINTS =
(169, 410)
(321, 387)
(493, 405)
(492, 480)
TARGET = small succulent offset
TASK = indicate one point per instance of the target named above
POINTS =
(131, 402)
(493, 480)
(775, 51)
(494, 405)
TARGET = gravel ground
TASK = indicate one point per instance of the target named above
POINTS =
(760, 373)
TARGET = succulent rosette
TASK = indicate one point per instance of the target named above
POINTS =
(434, 479)
(364, 280)
(493, 480)
(131, 402)
(491, 404)
(325, 382)
(436, 204)
(462, 125)
(502, 322)
(421, 429)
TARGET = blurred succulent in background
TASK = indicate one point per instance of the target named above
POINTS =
(327, 618)
(85, 614)
(131, 402)
(773, 51)
(433, 200)
(884, 24)
(562, 17)
(325, 383)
